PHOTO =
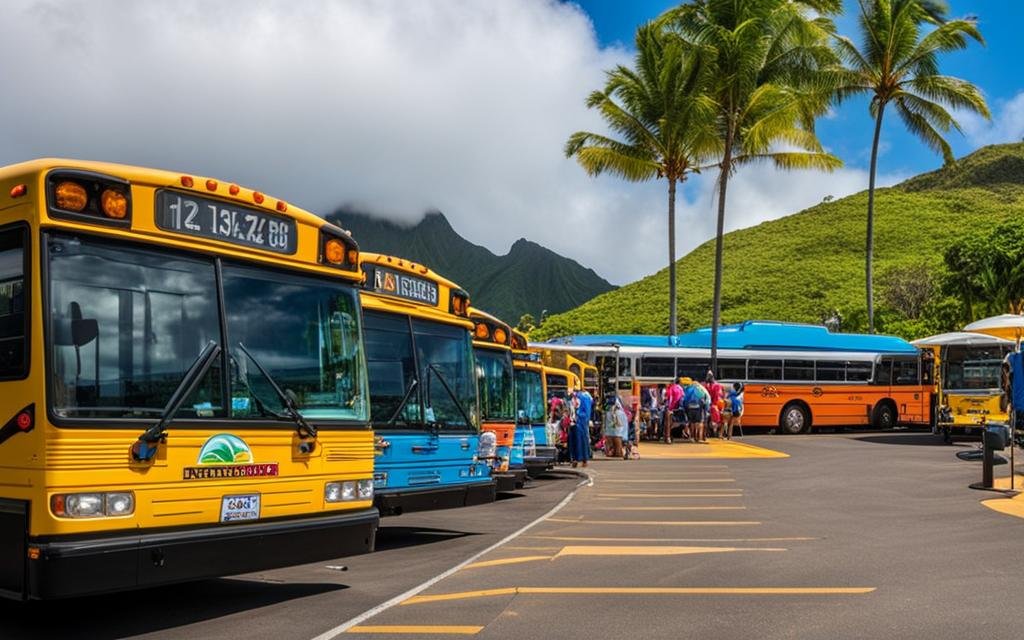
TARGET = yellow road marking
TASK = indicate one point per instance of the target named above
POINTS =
(733, 493)
(620, 591)
(671, 523)
(495, 563)
(685, 480)
(1009, 506)
(416, 628)
(667, 508)
(618, 550)
(597, 539)
(533, 548)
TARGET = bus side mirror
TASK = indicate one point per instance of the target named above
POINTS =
(75, 331)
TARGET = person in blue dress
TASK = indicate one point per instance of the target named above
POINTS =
(579, 432)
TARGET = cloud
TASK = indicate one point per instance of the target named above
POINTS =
(1007, 124)
(399, 107)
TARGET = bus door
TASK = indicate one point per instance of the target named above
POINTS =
(912, 399)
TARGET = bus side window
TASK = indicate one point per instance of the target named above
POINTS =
(732, 369)
(905, 372)
(883, 372)
(13, 310)
(766, 369)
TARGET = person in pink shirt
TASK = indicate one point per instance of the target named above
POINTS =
(715, 415)
(673, 396)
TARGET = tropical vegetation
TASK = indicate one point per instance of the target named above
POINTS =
(897, 63)
(809, 266)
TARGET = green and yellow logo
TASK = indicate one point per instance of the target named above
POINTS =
(225, 448)
(228, 456)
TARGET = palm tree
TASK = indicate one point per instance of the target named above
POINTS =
(898, 63)
(766, 61)
(665, 122)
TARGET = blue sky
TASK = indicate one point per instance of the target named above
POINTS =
(995, 68)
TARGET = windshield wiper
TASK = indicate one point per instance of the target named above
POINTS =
(405, 400)
(451, 394)
(288, 399)
(144, 449)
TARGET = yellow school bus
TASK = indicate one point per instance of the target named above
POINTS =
(183, 391)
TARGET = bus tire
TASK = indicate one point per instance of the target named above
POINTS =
(795, 418)
(884, 416)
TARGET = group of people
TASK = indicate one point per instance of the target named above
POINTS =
(702, 410)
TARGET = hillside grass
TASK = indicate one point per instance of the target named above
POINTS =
(801, 267)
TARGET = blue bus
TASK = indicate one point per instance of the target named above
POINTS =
(423, 390)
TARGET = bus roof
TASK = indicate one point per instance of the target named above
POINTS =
(961, 338)
(163, 178)
(756, 335)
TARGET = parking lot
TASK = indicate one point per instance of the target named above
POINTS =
(849, 535)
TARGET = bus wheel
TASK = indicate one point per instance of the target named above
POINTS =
(794, 419)
(885, 416)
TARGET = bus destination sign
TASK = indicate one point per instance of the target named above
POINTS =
(196, 216)
(404, 286)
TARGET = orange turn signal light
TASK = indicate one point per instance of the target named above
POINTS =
(500, 335)
(282, 206)
(71, 196)
(257, 197)
(114, 204)
(353, 257)
(18, 190)
(234, 189)
(482, 331)
(211, 185)
(187, 181)
(334, 251)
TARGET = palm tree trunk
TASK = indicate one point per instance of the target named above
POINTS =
(716, 313)
(672, 256)
(870, 249)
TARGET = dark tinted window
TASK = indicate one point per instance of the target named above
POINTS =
(798, 370)
(391, 367)
(883, 371)
(445, 356)
(732, 369)
(905, 372)
(625, 366)
(126, 323)
(692, 368)
(13, 315)
(658, 367)
(830, 371)
(858, 371)
(765, 369)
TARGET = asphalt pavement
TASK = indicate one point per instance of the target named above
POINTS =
(852, 535)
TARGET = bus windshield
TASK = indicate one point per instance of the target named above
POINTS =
(404, 397)
(496, 393)
(973, 368)
(127, 322)
(529, 396)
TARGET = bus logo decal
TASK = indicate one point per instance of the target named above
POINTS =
(404, 286)
(227, 456)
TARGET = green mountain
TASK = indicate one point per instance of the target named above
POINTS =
(803, 267)
(528, 279)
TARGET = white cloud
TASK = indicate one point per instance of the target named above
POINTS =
(1007, 124)
(458, 105)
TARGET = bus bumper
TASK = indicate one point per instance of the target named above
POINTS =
(543, 461)
(510, 480)
(399, 501)
(66, 568)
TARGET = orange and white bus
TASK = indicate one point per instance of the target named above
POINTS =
(796, 377)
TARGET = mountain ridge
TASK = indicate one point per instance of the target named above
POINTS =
(530, 278)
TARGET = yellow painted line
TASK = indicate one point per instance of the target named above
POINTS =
(1009, 506)
(597, 539)
(499, 562)
(686, 480)
(671, 523)
(716, 494)
(665, 591)
(533, 548)
(618, 550)
(416, 628)
(713, 450)
(667, 509)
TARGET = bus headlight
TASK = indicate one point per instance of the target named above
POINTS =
(488, 446)
(92, 505)
(365, 489)
(344, 491)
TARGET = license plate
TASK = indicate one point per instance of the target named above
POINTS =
(235, 508)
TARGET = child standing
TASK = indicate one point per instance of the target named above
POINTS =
(736, 403)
